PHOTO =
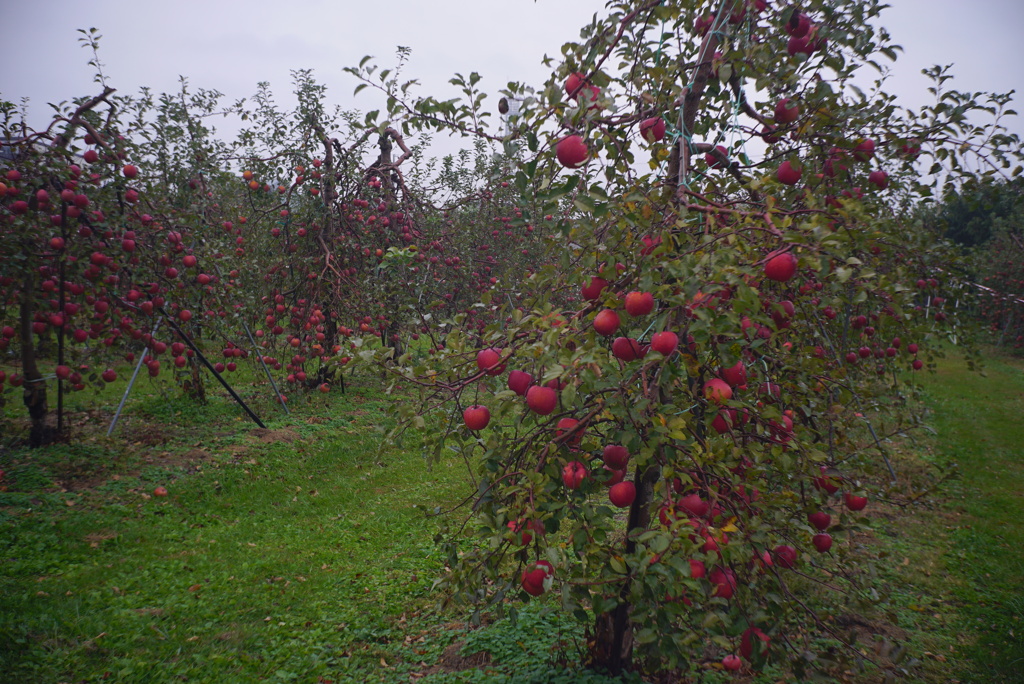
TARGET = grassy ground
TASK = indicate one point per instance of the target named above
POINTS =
(305, 552)
(280, 554)
(979, 426)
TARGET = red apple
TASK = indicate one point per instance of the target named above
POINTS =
(522, 531)
(780, 267)
(574, 84)
(622, 494)
(822, 542)
(537, 577)
(735, 375)
(489, 361)
(573, 475)
(879, 179)
(820, 520)
(606, 322)
(732, 663)
(787, 174)
(541, 399)
(714, 160)
(571, 151)
(109, 375)
(854, 502)
(911, 149)
(864, 150)
(615, 457)
(785, 556)
(747, 641)
(652, 130)
(614, 476)
(717, 390)
(724, 421)
(476, 417)
(787, 111)
(650, 244)
(693, 505)
(565, 425)
(639, 303)
(725, 582)
(626, 349)
(827, 482)
(665, 343)
(519, 381)
(160, 491)
(130, 171)
(593, 290)
(798, 25)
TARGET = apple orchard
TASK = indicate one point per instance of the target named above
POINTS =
(668, 311)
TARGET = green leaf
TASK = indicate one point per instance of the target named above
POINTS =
(584, 203)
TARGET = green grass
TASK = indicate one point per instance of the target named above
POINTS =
(951, 569)
(307, 553)
(979, 426)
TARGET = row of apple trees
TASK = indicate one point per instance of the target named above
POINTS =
(679, 429)
(986, 216)
(130, 229)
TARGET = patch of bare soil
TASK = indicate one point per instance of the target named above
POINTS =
(146, 435)
(267, 436)
(867, 630)
(452, 660)
(97, 538)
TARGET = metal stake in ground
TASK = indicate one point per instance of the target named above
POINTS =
(217, 375)
(131, 383)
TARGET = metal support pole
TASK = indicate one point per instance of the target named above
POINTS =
(131, 383)
(217, 375)
(270, 377)
(885, 457)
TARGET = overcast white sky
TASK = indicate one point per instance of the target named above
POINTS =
(230, 45)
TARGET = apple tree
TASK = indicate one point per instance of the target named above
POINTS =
(679, 429)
